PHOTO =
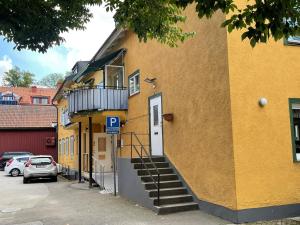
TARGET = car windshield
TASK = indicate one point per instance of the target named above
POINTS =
(41, 161)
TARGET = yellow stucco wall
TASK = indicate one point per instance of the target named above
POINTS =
(194, 83)
(67, 160)
(97, 75)
(265, 172)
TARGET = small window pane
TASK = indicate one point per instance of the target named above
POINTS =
(155, 115)
(44, 101)
(296, 132)
(134, 84)
(67, 146)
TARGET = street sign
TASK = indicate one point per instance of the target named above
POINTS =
(112, 125)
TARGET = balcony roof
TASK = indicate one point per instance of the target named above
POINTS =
(98, 64)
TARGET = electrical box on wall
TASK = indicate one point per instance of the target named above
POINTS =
(50, 141)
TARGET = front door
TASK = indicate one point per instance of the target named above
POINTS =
(102, 150)
(156, 126)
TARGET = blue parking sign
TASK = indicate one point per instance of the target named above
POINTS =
(112, 125)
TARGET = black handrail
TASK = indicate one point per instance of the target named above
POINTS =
(143, 164)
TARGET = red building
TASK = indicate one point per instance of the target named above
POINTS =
(29, 128)
(26, 96)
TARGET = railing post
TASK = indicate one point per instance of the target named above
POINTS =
(158, 181)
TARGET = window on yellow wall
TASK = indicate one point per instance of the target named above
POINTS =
(63, 146)
(59, 147)
(295, 127)
(134, 83)
(67, 146)
(72, 146)
(77, 146)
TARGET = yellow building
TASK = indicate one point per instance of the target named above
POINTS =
(224, 116)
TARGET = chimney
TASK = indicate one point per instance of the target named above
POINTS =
(33, 89)
(58, 84)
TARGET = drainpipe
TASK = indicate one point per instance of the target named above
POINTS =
(79, 152)
(90, 153)
(56, 129)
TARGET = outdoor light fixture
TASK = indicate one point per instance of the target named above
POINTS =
(151, 81)
(262, 102)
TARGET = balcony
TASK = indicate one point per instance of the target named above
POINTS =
(100, 99)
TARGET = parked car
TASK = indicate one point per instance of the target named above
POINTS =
(5, 156)
(41, 166)
(15, 166)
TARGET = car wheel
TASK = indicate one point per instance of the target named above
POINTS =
(54, 179)
(15, 172)
(25, 180)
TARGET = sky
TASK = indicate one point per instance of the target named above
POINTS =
(79, 45)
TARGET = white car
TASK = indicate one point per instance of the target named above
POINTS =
(40, 166)
(15, 166)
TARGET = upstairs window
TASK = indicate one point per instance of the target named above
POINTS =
(295, 127)
(8, 98)
(40, 100)
(134, 83)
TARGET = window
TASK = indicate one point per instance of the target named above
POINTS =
(134, 83)
(155, 115)
(59, 147)
(8, 97)
(77, 146)
(295, 127)
(40, 100)
(63, 146)
(67, 146)
(72, 146)
(22, 160)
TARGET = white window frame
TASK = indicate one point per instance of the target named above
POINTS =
(136, 88)
(106, 75)
(67, 146)
(59, 147)
(63, 146)
(72, 146)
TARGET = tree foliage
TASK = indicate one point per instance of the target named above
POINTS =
(51, 80)
(17, 78)
(37, 25)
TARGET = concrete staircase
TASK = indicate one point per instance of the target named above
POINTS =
(174, 197)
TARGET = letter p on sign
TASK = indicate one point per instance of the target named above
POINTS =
(112, 125)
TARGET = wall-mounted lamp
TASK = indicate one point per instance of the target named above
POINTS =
(151, 81)
(168, 117)
(263, 102)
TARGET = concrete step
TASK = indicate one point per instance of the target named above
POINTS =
(163, 177)
(150, 165)
(168, 191)
(180, 207)
(163, 184)
(154, 159)
(145, 172)
(174, 199)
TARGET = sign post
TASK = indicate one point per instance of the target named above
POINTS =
(113, 128)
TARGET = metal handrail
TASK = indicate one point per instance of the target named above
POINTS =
(144, 165)
(97, 87)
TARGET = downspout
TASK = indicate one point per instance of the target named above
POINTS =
(56, 129)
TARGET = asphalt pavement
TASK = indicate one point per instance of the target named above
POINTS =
(69, 203)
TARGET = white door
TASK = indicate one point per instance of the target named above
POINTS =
(156, 126)
(102, 150)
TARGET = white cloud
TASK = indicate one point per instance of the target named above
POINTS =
(5, 65)
(82, 45)
(78, 45)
